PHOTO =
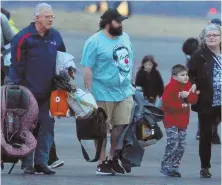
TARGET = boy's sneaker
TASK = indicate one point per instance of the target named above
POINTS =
(170, 173)
(176, 174)
(204, 173)
(104, 169)
(116, 166)
(57, 164)
(166, 172)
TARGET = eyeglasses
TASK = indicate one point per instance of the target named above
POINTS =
(49, 16)
(212, 35)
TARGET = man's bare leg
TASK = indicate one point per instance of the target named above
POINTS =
(116, 133)
(113, 160)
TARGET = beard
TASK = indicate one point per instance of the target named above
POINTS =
(115, 31)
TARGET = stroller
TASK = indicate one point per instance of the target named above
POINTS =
(19, 114)
(142, 131)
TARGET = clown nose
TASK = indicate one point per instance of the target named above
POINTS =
(126, 61)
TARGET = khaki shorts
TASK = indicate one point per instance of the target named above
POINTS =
(118, 113)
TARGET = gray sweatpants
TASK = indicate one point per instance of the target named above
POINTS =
(176, 141)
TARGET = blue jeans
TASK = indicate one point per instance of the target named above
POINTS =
(45, 138)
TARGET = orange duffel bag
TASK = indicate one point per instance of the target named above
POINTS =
(58, 103)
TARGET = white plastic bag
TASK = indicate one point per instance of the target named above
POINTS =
(82, 103)
(64, 61)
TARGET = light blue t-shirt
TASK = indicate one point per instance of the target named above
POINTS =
(111, 61)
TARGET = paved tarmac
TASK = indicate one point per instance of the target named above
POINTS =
(78, 172)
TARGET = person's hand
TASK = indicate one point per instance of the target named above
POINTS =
(151, 99)
(198, 92)
(88, 79)
(193, 88)
(88, 84)
(139, 88)
(183, 94)
(184, 105)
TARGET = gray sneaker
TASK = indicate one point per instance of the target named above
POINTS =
(57, 164)
(29, 170)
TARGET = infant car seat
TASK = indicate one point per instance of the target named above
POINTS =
(19, 114)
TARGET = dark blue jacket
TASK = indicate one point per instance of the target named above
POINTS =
(34, 60)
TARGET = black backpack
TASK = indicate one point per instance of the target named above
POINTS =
(92, 128)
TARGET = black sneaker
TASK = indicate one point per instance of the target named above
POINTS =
(44, 169)
(116, 166)
(104, 169)
(204, 173)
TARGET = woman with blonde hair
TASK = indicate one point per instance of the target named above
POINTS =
(205, 71)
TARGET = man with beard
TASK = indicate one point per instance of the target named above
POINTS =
(105, 55)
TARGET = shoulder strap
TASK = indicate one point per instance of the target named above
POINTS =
(98, 151)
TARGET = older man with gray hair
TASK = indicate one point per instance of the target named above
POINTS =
(34, 51)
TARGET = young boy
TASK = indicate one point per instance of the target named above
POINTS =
(177, 96)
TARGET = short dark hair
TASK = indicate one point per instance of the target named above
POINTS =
(178, 69)
(190, 46)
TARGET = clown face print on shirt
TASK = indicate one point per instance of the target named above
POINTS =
(121, 61)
